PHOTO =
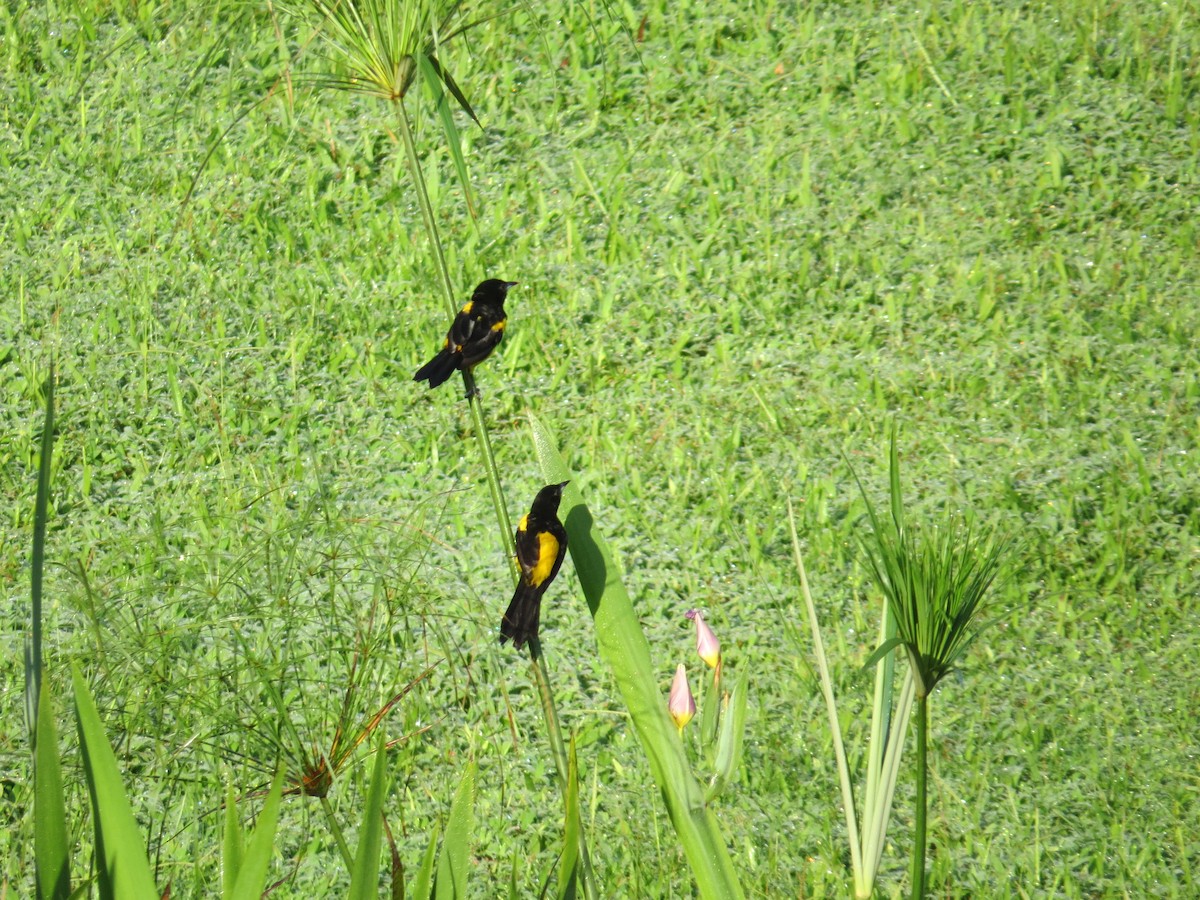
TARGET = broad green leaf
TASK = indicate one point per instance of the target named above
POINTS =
(568, 874)
(624, 649)
(454, 861)
(364, 879)
(50, 843)
(123, 872)
(252, 874)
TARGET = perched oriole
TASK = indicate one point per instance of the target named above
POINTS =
(541, 546)
(476, 331)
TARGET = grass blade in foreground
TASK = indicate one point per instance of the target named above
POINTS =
(252, 870)
(423, 885)
(123, 871)
(364, 880)
(233, 844)
(454, 863)
(624, 649)
(568, 866)
(51, 849)
(33, 647)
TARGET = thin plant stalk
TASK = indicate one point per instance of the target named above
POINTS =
(561, 760)
(883, 750)
(839, 750)
(435, 241)
(340, 838)
(917, 875)
(386, 70)
(546, 694)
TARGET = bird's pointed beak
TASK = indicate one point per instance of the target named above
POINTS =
(510, 284)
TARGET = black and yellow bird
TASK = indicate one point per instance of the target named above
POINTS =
(541, 546)
(476, 331)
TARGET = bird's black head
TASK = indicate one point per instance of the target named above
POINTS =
(493, 291)
(548, 498)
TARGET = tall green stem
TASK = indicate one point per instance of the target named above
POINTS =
(559, 749)
(435, 241)
(554, 732)
(917, 875)
(493, 474)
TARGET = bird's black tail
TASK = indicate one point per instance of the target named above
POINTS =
(438, 369)
(520, 622)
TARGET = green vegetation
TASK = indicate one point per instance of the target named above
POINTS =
(748, 240)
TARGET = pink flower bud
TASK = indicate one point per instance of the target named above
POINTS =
(681, 705)
(707, 645)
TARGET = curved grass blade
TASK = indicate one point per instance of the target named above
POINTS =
(452, 87)
(624, 649)
(423, 886)
(123, 870)
(835, 728)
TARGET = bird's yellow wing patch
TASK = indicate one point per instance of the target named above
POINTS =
(547, 554)
(499, 326)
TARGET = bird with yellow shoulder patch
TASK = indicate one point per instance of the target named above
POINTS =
(475, 332)
(541, 546)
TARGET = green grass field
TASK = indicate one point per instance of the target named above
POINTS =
(749, 238)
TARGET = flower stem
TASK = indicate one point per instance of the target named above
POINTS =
(917, 875)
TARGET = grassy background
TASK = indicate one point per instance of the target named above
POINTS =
(747, 239)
